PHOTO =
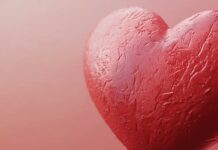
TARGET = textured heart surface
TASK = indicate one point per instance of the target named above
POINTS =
(155, 86)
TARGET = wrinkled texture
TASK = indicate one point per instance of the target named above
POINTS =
(156, 87)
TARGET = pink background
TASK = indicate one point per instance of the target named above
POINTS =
(44, 104)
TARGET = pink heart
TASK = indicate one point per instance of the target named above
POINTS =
(156, 87)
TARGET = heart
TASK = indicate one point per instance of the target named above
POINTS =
(155, 86)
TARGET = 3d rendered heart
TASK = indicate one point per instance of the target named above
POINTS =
(155, 86)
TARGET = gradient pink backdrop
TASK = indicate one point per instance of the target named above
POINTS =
(44, 104)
